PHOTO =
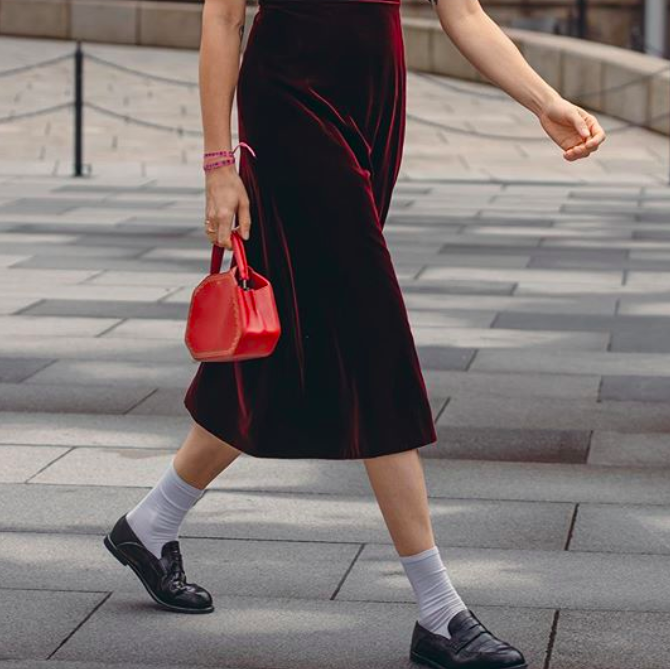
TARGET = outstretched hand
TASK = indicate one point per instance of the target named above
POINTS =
(576, 131)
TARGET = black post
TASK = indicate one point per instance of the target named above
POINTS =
(582, 28)
(78, 111)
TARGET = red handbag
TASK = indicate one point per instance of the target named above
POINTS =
(233, 314)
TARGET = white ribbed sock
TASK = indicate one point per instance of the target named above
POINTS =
(436, 596)
(157, 518)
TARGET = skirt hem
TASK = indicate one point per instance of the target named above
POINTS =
(296, 455)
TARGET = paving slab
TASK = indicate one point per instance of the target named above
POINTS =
(19, 463)
(74, 399)
(100, 430)
(296, 634)
(551, 579)
(635, 388)
(107, 372)
(610, 640)
(33, 624)
(453, 479)
(91, 348)
(622, 529)
(444, 357)
(482, 338)
(107, 309)
(456, 383)
(635, 450)
(516, 445)
(15, 370)
(308, 517)
(227, 566)
(573, 362)
(67, 509)
(555, 414)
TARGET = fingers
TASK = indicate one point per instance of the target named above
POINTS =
(244, 218)
(578, 119)
(596, 136)
(218, 226)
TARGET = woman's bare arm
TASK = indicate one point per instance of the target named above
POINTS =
(489, 49)
(220, 47)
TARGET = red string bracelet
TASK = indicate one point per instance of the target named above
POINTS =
(228, 156)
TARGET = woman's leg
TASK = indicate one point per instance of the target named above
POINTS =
(400, 488)
(158, 516)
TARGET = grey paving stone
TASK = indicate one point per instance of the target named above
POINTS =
(79, 347)
(516, 445)
(97, 399)
(66, 509)
(62, 205)
(635, 325)
(551, 579)
(318, 517)
(130, 190)
(51, 327)
(109, 372)
(636, 388)
(298, 634)
(15, 370)
(98, 430)
(451, 319)
(635, 450)
(556, 414)
(572, 362)
(610, 640)
(138, 265)
(622, 529)
(457, 287)
(454, 479)
(456, 383)
(107, 309)
(164, 402)
(33, 624)
(651, 340)
(19, 463)
(444, 358)
(515, 339)
(227, 566)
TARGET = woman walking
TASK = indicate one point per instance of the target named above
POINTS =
(321, 102)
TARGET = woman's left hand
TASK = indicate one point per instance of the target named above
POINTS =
(576, 131)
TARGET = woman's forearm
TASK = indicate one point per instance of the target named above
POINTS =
(491, 52)
(220, 46)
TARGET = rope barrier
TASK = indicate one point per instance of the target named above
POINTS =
(520, 138)
(494, 96)
(146, 124)
(140, 73)
(34, 66)
(35, 112)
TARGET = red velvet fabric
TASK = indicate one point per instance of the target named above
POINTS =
(321, 100)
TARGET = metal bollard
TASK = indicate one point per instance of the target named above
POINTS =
(78, 111)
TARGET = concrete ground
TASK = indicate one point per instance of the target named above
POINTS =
(540, 312)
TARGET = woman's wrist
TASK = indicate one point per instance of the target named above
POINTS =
(542, 98)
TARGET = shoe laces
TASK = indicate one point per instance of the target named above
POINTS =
(173, 556)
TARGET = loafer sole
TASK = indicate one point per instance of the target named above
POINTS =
(414, 656)
(109, 545)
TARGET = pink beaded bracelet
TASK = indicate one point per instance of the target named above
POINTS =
(227, 154)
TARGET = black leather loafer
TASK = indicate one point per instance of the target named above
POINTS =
(164, 579)
(471, 646)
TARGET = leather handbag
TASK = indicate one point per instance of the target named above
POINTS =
(232, 315)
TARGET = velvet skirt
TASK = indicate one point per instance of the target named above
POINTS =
(321, 100)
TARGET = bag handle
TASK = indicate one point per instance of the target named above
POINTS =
(239, 256)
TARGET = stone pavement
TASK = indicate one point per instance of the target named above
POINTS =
(540, 312)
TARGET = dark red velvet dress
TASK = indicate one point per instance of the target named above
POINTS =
(321, 100)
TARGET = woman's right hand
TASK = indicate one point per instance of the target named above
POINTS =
(226, 198)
